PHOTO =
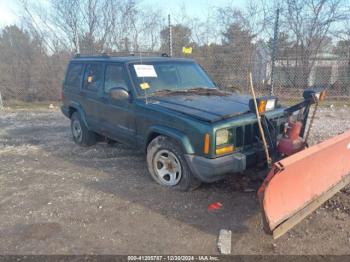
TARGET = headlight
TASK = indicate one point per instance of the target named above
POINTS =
(222, 137)
(270, 104)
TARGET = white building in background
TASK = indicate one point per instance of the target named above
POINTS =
(327, 70)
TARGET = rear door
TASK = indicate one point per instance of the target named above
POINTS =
(92, 86)
(117, 116)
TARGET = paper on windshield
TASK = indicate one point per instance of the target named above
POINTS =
(145, 71)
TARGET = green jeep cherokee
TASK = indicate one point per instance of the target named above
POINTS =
(190, 131)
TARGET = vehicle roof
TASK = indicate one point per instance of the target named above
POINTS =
(127, 59)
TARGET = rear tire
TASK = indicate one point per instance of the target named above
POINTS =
(167, 165)
(81, 134)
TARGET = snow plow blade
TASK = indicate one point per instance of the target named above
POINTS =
(297, 185)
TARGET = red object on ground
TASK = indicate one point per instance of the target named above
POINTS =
(214, 206)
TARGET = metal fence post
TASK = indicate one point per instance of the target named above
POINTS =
(1, 103)
(170, 37)
(274, 51)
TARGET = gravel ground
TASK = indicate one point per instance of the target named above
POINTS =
(59, 198)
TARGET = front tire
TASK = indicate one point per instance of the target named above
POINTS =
(81, 134)
(167, 165)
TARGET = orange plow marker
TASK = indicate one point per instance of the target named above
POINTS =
(300, 183)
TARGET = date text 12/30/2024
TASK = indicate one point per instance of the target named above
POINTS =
(173, 258)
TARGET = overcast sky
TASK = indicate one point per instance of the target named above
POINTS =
(10, 9)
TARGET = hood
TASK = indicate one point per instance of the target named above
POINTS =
(208, 108)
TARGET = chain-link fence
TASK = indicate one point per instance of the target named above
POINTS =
(291, 74)
(286, 46)
(228, 66)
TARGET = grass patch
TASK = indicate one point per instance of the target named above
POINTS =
(21, 105)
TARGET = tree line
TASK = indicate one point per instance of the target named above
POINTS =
(225, 40)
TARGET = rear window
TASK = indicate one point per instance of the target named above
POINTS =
(74, 75)
(93, 76)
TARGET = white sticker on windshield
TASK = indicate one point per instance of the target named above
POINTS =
(145, 71)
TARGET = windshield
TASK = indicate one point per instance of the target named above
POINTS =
(169, 76)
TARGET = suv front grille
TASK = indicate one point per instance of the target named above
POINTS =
(248, 135)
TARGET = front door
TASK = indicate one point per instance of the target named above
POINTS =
(117, 116)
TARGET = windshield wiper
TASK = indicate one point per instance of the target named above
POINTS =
(162, 91)
(199, 90)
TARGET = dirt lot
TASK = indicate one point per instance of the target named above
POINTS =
(59, 198)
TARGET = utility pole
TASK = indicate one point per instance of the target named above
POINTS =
(274, 50)
(170, 37)
(77, 42)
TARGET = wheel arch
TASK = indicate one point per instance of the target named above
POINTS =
(75, 107)
(178, 136)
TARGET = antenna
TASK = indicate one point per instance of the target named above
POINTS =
(170, 37)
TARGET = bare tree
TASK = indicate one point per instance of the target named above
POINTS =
(181, 35)
(225, 40)
(253, 18)
(25, 74)
(100, 25)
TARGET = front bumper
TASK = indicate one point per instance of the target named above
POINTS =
(210, 170)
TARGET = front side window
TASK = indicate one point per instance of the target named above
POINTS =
(115, 77)
(93, 76)
(74, 74)
(169, 76)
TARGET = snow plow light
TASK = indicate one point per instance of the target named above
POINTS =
(270, 104)
(314, 94)
(264, 104)
(322, 95)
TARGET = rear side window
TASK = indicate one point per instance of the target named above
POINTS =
(74, 74)
(93, 76)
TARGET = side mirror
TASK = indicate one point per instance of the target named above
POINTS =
(119, 93)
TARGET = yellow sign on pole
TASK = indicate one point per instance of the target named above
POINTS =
(187, 50)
